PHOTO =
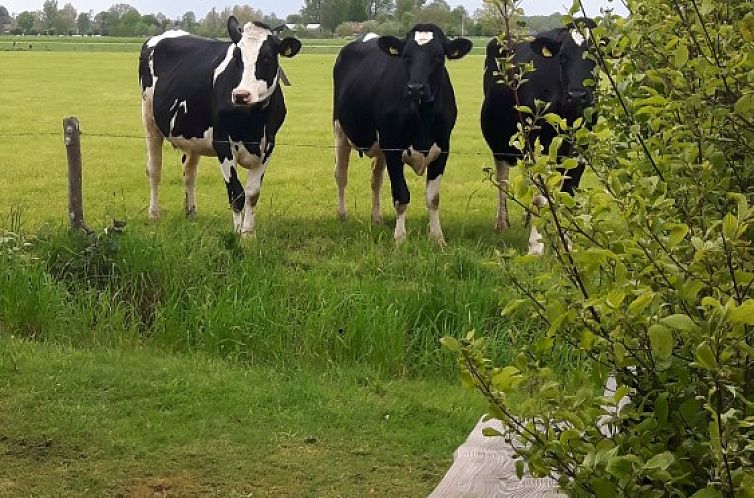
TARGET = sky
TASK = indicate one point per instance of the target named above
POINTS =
(174, 9)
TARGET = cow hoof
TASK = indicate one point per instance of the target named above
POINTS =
(377, 219)
(154, 214)
(537, 250)
(400, 238)
(439, 240)
(501, 225)
(341, 216)
(191, 213)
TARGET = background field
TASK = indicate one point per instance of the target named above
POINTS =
(316, 313)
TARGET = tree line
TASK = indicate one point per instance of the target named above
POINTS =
(328, 17)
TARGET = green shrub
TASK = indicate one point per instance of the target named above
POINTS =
(652, 270)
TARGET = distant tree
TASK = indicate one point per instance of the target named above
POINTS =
(25, 22)
(6, 20)
(49, 14)
(294, 19)
(65, 21)
(407, 6)
(311, 11)
(213, 25)
(272, 20)
(188, 21)
(84, 23)
(344, 30)
(438, 12)
(380, 8)
(357, 10)
(333, 12)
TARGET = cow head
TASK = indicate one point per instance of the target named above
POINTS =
(253, 67)
(566, 54)
(424, 51)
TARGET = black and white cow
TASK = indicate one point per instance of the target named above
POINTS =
(214, 98)
(394, 102)
(560, 69)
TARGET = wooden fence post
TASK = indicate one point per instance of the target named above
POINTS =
(75, 196)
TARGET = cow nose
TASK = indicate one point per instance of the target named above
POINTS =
(241, 96)
(416, 89)
(578, 95)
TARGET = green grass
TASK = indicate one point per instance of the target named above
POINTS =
(289, 334)
(110, 423)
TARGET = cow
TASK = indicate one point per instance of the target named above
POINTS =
(214, 98)
(394, 102)
(560, 69)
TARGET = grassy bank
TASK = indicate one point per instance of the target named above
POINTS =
(136, 424)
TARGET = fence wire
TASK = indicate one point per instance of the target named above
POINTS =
(329, 147)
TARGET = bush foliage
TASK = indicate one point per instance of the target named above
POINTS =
(652, 267)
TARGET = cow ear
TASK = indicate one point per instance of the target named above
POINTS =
(390, 45)
(289, 47)
(455, 49)
(545, 47)
(234, 30)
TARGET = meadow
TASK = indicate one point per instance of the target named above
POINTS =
(304, 364)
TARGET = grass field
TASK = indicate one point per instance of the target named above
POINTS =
(309, 333)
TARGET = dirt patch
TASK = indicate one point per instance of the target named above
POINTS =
(32, 447)
(177, 486)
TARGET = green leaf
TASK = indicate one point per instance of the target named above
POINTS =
(661, 461)
(490, 432)
(519, 468)
(506, 378)
(730, 226)
(641, 302)
(451, 344)
(661, 339)
(620, 467)
(745, 105)
(708, 492)
(679, 322)
(743, 314)
(661, 409)
(680, 56)
(705, 357)
(677, 234)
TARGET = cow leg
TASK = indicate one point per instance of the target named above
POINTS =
(154, 157)
(190, 164)
(434, 176)
(236, 194)
(536, 246)
(342, 158)
(399, 190)
(253, 189)
(502, 170)
(378, 175)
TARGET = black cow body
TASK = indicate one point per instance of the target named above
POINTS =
(214, 98)
(393, 101)
(559, 72)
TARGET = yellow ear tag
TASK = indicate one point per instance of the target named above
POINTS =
(393, 51)
(546, 52)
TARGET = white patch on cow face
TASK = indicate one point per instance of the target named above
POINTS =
(251, 43)
(578, 38)
(370, 36)
(423, 37)
(167, 34)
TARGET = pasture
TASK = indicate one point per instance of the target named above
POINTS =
(306, 363)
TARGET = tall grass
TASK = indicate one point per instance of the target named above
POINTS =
(291, 298)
